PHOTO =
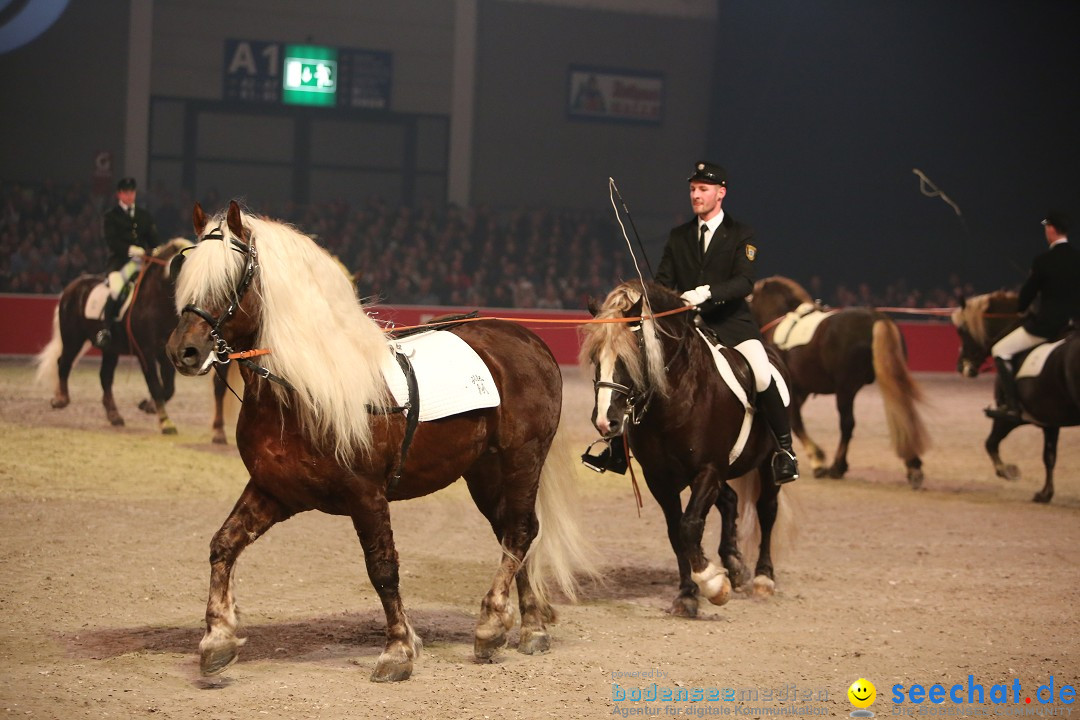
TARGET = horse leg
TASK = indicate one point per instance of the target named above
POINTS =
(61, 396)
(817, 455)
(712, 581)
(157, 393)
(768, 503)
(108, 370)
(727, 502)
(845, 404)
(535, 614)
(507, 500)
(685, 603)
(1050, 440)
(998, 432)
(219, 409)
(253, 514)
(403, 645)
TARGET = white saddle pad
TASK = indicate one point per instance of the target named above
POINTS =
(1033, 363)
(450, 377)
(724, 367)
(798, 327)
(96, 299)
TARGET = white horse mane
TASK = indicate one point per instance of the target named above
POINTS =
(620, 340)
(321, 340)
(972, 317)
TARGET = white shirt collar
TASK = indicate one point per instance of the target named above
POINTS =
(1059, 241)
(712, 223)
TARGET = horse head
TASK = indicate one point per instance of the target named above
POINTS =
(212, 298)
(627, 351)
(980, 321)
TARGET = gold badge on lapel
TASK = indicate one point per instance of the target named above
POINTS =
(751, 252)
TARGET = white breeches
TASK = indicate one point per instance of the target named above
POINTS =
(755, 354)
(1016, 341)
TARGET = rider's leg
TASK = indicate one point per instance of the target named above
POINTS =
(784, 465)
(1003, 352)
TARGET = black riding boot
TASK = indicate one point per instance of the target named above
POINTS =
(784, 465)
(612, 457)
(1009, 409)
(108, 316)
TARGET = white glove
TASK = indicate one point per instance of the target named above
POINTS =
(697, 296)
(135, 251)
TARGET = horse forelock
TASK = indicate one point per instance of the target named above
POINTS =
(619, 339)
(972, 317)
(319, 337)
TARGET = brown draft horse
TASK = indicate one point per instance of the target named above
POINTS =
(1050, 400)
(317, 432)
(849, 349)
(149, 321)
(656, 380)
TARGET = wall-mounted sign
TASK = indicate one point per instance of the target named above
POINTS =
(310, 76)
(272, 72)
(614, 95)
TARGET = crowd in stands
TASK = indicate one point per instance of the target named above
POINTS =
(470, 257)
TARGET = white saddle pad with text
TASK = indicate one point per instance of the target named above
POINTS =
(450, 377)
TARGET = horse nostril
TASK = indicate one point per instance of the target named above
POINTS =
(190, 357)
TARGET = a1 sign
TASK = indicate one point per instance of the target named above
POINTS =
(252, 71)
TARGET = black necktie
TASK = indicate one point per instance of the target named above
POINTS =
(701, 241)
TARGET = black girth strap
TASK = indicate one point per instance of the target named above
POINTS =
(411, 409)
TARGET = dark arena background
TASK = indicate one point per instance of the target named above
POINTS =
(460, 155)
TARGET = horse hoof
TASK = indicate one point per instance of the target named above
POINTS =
(713, 583)
(684, 606)
(213, 659)
(763, 587)
(58, 403)
(836, 473)
(915, 479)
(485, 648)
(1041, 497)
(1009, 472)
(737, 574)
(390, 669)
(116, 421)
(534, 641)
(167, 428)
(147, 407)
(820, 472)
(219, 438)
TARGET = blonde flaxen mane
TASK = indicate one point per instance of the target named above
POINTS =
(320, 338)
(616, 341)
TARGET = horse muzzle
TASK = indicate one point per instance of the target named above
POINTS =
(191, 357)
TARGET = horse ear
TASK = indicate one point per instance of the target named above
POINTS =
(236, 225)
(198, 220)
(593, 306)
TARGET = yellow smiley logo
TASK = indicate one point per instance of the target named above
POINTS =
(862, 693)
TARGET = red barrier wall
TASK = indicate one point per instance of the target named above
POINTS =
(26, 325)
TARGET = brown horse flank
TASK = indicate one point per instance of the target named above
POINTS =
(317, 432)
(149, 321)
(656, 380)
(850, 348)
(1050, 399)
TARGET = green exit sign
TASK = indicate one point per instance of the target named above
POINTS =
(310, 75)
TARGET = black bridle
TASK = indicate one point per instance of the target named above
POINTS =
(223, 353)
(636, 403)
